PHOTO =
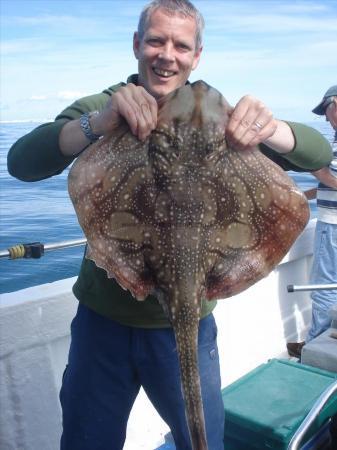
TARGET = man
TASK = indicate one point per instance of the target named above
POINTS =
(119, 344)
(324, 269)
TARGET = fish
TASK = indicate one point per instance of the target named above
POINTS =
(185, 216)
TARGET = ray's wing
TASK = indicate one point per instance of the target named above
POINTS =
(111, 187)
(259, 212)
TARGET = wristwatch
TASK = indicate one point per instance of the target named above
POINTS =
(86, 127)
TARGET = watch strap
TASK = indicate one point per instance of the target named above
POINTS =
(86, 127)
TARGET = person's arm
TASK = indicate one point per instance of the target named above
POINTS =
(282, 140)
(252, 123)
(37, 155)
(292, 145)
(325, 176)
(311, 151)
(50, 148)
(131, 103)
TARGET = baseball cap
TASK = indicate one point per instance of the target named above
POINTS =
(320, 108)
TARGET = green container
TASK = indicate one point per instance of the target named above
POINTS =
(264, 408)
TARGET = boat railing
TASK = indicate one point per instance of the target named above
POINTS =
(311, 416)
(310, 287)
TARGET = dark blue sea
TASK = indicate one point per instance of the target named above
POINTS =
(42, 212)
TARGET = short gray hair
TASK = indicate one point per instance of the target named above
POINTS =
(184, 7)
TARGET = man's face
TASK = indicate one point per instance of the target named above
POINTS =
(167, 52)
(331, 114)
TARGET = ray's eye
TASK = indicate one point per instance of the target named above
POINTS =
(216, 144)
(175, 141)
(165, 139)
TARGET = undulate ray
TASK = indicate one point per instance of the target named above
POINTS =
(186, 216)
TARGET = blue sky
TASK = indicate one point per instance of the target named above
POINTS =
(54, 51)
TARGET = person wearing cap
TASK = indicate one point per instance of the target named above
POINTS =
(324, 269)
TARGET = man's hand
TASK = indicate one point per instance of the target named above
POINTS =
(251, 123)
(135, 105)
(130, 102)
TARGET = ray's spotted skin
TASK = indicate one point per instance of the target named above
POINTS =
(183, 214)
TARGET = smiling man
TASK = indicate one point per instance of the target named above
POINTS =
(117, 343)
(167, 51)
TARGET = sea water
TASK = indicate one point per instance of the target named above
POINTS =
(41, 211)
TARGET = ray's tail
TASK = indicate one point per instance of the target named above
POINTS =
(186, 333)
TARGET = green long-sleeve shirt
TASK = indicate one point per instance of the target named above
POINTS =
(37, 155)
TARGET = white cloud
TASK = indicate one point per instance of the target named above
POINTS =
(45, 19)
(70, 95)
(22, 46)
(38, 97)
(73, 25)
(269, 16)
(60, 22)
(61, 95)
(303, 7)
(270, 23)
(4, 106)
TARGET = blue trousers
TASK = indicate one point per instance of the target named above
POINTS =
(109, 362)
(324, 271)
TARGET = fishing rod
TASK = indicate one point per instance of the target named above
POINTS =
(37, 249)
(310, 287)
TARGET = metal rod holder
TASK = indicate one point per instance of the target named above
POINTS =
(311, 287)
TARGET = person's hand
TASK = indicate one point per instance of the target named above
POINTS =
(135, 105)
(250, 123)
(325, 175)
(310, 193)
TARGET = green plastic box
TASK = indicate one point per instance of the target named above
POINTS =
(264, 408)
